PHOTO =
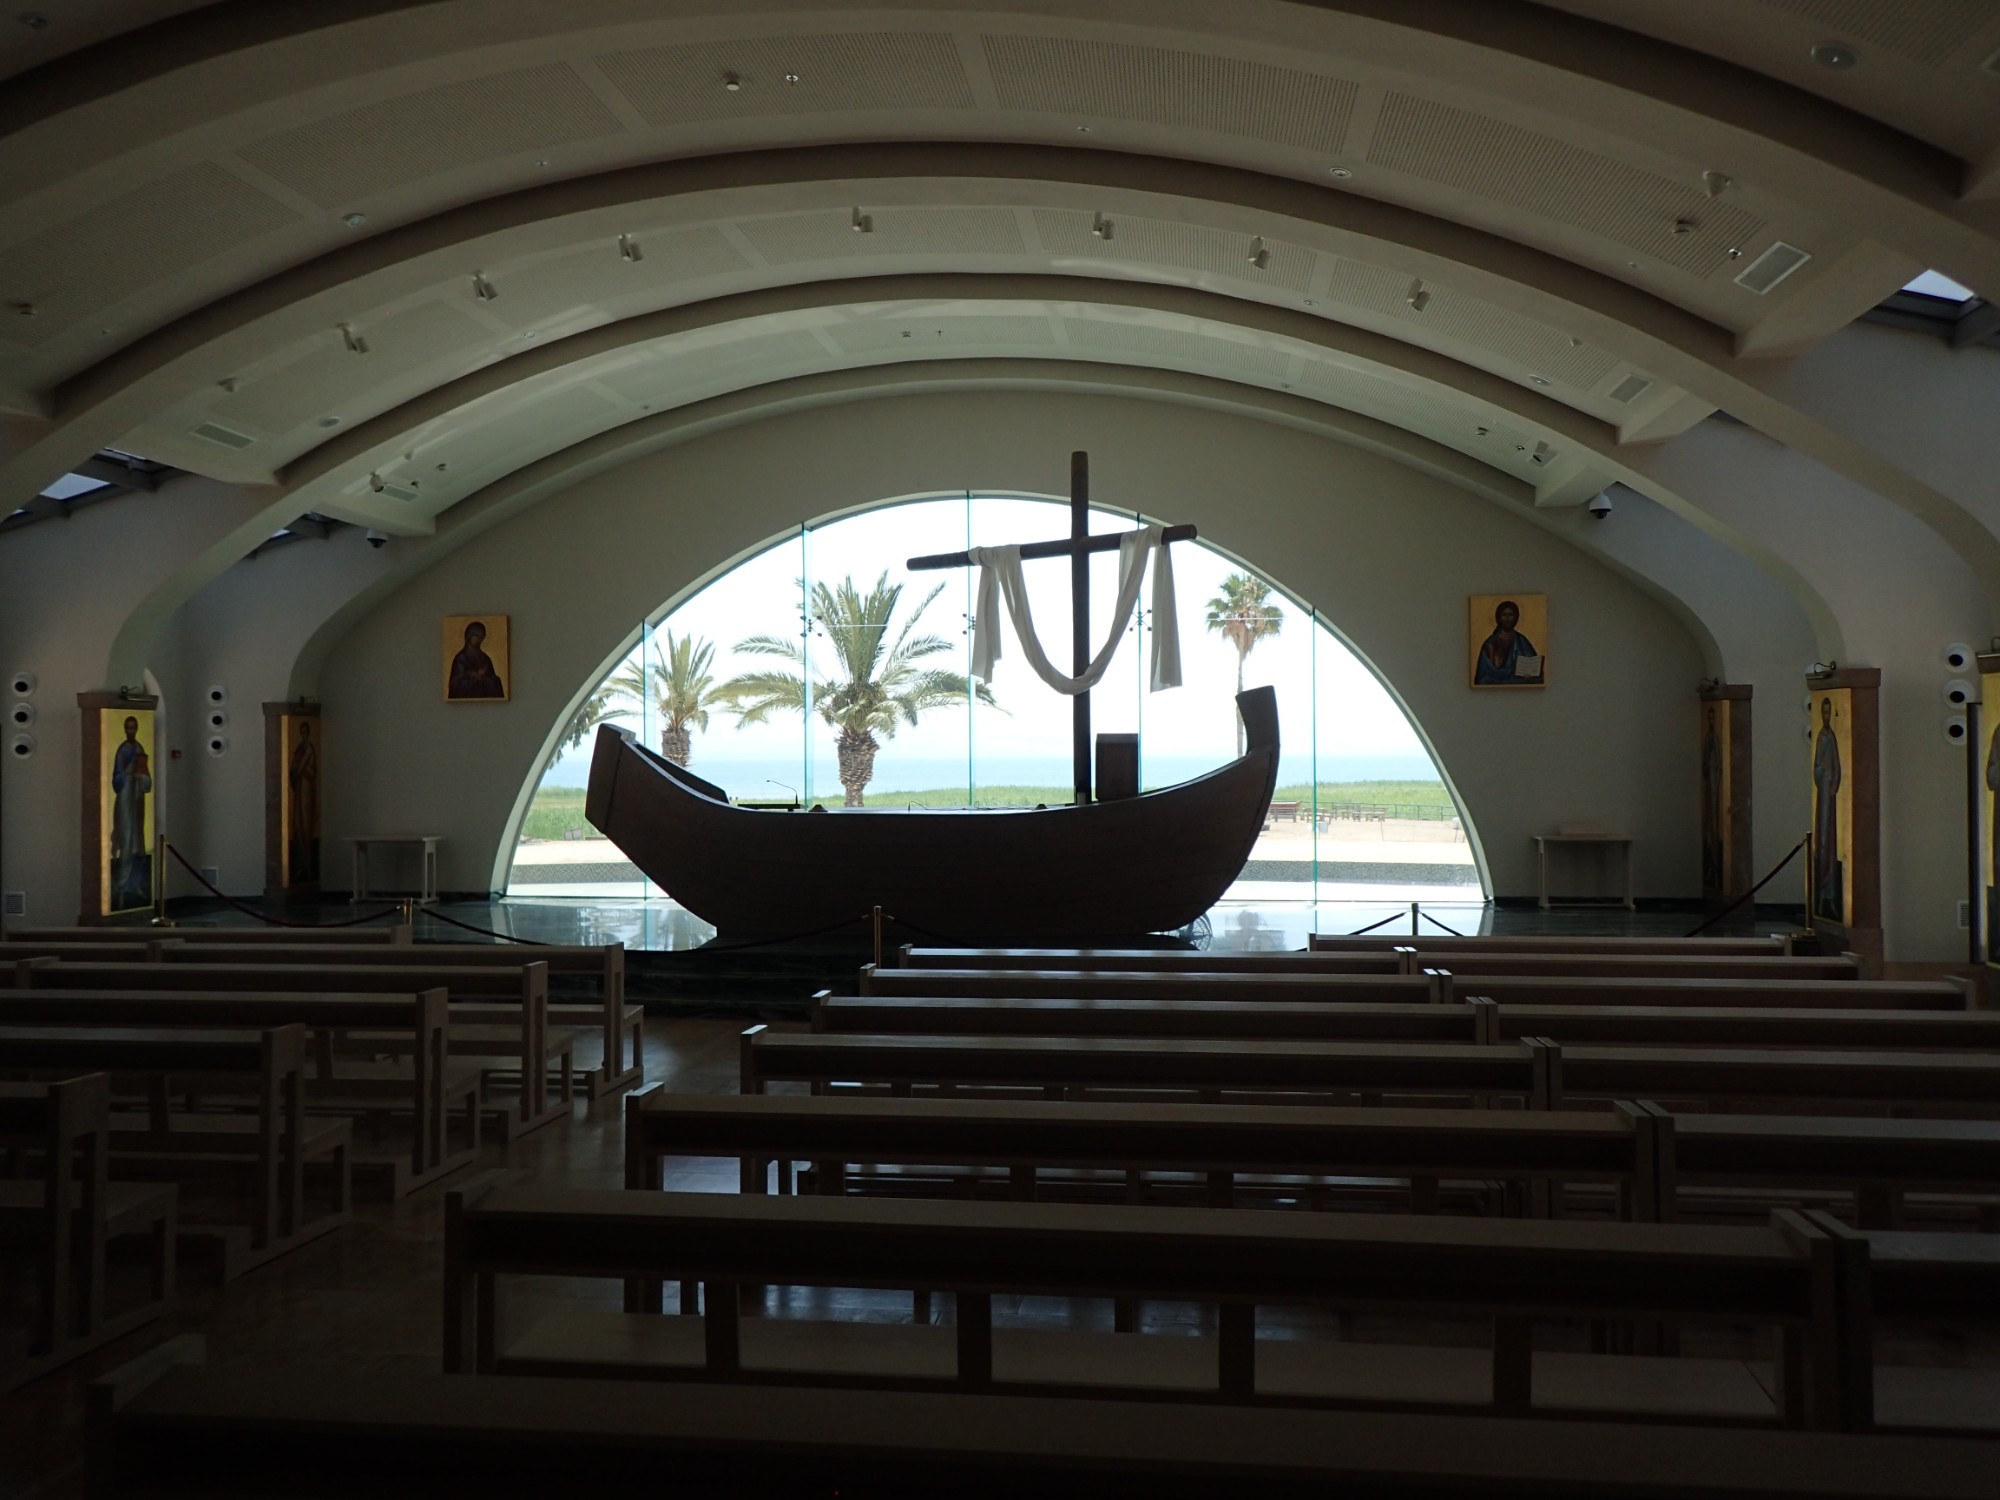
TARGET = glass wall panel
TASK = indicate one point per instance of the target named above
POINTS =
(781, 682)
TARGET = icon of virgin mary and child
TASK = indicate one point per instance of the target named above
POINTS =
(1507, 657)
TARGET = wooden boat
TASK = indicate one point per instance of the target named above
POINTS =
(1149, 863)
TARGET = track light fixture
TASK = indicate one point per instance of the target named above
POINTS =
(482, 288)
(355, 343)
(375, 483)
(1259, 256)
(629, 248)
(1102, 227)
(862, 223)
(1419, 296)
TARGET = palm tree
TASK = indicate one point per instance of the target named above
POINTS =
(594, 710)
(877, 689)
(682, 688)
(1243, 615)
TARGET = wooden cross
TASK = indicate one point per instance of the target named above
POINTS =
(1077, 547)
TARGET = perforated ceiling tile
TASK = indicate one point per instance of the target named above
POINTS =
(569, 284)
(149, 235)
(1226, 95)
(847, 71)
(919, 335)
(330, 376)
(1176, 346)
(1925, 31)
(346, 157)
(897, 231)
(1452, 316)
(518, 432)
(1553, 179)
(677, 368)
(1449, 422)
(1190, 247)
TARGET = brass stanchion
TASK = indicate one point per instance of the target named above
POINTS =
(160, 917)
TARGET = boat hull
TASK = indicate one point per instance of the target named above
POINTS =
(1149, 863)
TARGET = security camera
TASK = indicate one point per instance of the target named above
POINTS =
(1600, 504)
(376, 538)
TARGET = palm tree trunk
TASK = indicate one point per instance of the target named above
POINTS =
(856, 750)
(676, 743)
(1242, 652)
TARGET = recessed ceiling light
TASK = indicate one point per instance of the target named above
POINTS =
(1539, 379)
(1083, 130)
(1341, 172)
(541, 161)
(1311, 303)
(732, 83)
(1734, 252)
(530, 335)
(1836, 55)
(329, 421)
(354, 221)
(791, 78)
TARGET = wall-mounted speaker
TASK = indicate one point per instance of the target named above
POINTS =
(217, 719)
(21, 715)
(1954, 729)
(217, 744)
(22, 684)
(21, 746)
(1958, 692)
(1958, 657)
(218, 695)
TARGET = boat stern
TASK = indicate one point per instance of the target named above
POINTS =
(604, 759)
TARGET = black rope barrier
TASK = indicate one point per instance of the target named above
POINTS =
(1436, 923)
(1775, 869)
(266, 917)
(1364, 931)
(505, 937)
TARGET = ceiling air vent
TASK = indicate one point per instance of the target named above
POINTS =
(397, 492)
(216, 433)
(1772, 267)
(1630, 389)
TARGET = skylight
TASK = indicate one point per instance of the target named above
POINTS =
(1932, 284)
(71, 485)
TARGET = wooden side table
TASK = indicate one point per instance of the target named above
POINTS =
(427, 893)
(1544, 842)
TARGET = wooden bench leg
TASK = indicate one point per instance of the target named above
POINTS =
(721, 1329)
(1236, 1350)
(1513, 1366)
(975, 1339)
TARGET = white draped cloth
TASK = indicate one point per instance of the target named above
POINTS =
(1000, 579)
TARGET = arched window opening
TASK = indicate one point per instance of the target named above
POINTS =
(821, 670)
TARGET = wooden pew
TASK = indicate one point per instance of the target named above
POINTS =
(1148, 960)
(1762, 994)
(1540, 1073)
(1479, 1021)
(166, 1425)
(374, 934)
(1148, 1064)
(275, 1142)
(1441, 943)
(497, 1013)
(1875, 1161)
(62, 1206)
(1029, 984)
(433, 1083)
(962, 1015)
(1465, 964)
(1218, 1143)
(603, 966)
(1509, 1271)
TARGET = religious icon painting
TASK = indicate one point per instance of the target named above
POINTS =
(1988, 783)
(1509, 640)
(298, 799)
(1830, 873)
(477, 666)
(127, 748)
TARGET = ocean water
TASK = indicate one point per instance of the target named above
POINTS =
(778, 778)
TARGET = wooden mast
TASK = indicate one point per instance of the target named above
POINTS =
(1079, 615)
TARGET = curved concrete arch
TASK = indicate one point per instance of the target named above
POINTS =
(99, 408)
(1593, 75)
(623, 445)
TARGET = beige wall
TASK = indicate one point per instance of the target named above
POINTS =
(1388, 554)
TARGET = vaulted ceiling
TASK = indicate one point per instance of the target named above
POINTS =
(375, 255)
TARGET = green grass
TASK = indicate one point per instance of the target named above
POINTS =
(557, 809)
